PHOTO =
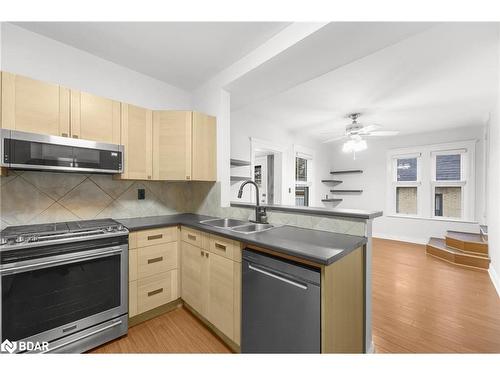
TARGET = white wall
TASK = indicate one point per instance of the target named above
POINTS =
(373, 182)
(30, 54)
(493, 188)
(245, 125)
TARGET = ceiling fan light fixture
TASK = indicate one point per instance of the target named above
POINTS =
(354, 145)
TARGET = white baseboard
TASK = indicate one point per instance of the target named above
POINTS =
(420, 241)
(494, 279)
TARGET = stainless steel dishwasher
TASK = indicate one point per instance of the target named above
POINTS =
(281, 306)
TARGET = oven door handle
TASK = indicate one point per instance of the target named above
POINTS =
(35, 266)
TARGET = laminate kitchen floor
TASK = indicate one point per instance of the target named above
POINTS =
(420, 305)
(177, 331)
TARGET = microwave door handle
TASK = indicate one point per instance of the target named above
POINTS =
(39, 265)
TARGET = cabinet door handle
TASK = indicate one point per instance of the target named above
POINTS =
(220, 246)
(206, 254)
(188, 177)
(75, 136)
(191, 237)
(155, 237)
(155, 260)
(157, 291)
(202, 253)
(64, 134)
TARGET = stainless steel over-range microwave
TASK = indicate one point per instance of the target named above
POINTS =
(22, 150)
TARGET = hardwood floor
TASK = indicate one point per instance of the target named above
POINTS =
(177, 331)
(420, 305)
(424, 305)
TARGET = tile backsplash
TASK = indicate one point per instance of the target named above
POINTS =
(35, 197)
(29, 197)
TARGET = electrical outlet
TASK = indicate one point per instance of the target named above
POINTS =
(141, 194)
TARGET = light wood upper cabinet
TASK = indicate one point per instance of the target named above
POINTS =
(204, 147)
(94, 118)
(137, 137)
(172, 145)
(34, 106)
(184, 146)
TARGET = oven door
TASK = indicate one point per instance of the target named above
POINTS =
(44, 299)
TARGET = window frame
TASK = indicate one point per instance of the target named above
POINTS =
(426, 179)
(464, 176)
(395, 183)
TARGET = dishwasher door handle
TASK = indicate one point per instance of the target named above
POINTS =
(281, 278)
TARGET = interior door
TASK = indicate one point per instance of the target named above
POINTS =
(191, 276)
(221, 294)
(34, 106)
(172, 145)
(137, 137)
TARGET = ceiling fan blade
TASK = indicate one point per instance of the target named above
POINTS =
(369, 128)
(338, 138)
(382, 133)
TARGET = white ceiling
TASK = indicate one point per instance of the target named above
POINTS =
(184, 54)
(444, 76)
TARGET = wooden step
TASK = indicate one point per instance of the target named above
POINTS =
(437, 247)
(469, 242)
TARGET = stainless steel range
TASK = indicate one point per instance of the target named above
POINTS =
(65, 284)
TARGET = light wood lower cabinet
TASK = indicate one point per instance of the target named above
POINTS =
(156, 290)
(153, 269)
(221, 294)
(211, 280)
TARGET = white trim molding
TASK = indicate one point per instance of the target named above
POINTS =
(426, 182)
(494, 279)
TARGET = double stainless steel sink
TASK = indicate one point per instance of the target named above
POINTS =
(236, 225)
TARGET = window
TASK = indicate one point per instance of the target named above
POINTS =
(405, 184)
(448, 182)
(435, 181)
(303, 178)
(301, 169)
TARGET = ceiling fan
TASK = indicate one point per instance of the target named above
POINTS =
(357, 130)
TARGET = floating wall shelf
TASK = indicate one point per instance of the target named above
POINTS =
(332, 200)
(239, 163)
(347, 171)
(332, 181)
(239, 178)
(346, 191)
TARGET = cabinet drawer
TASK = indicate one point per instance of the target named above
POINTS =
(132, 298)
(156, 290)
(223, 246)
(156, 236)
(132, 265)
(156, 259)
(195, 237)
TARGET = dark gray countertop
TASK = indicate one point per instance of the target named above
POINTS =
(314, 245)
(321, 211)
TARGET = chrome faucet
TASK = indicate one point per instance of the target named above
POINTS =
(260, 212)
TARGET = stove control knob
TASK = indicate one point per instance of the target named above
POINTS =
(110, 229)
(3, 240)
(20, 239)
(119, 227)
